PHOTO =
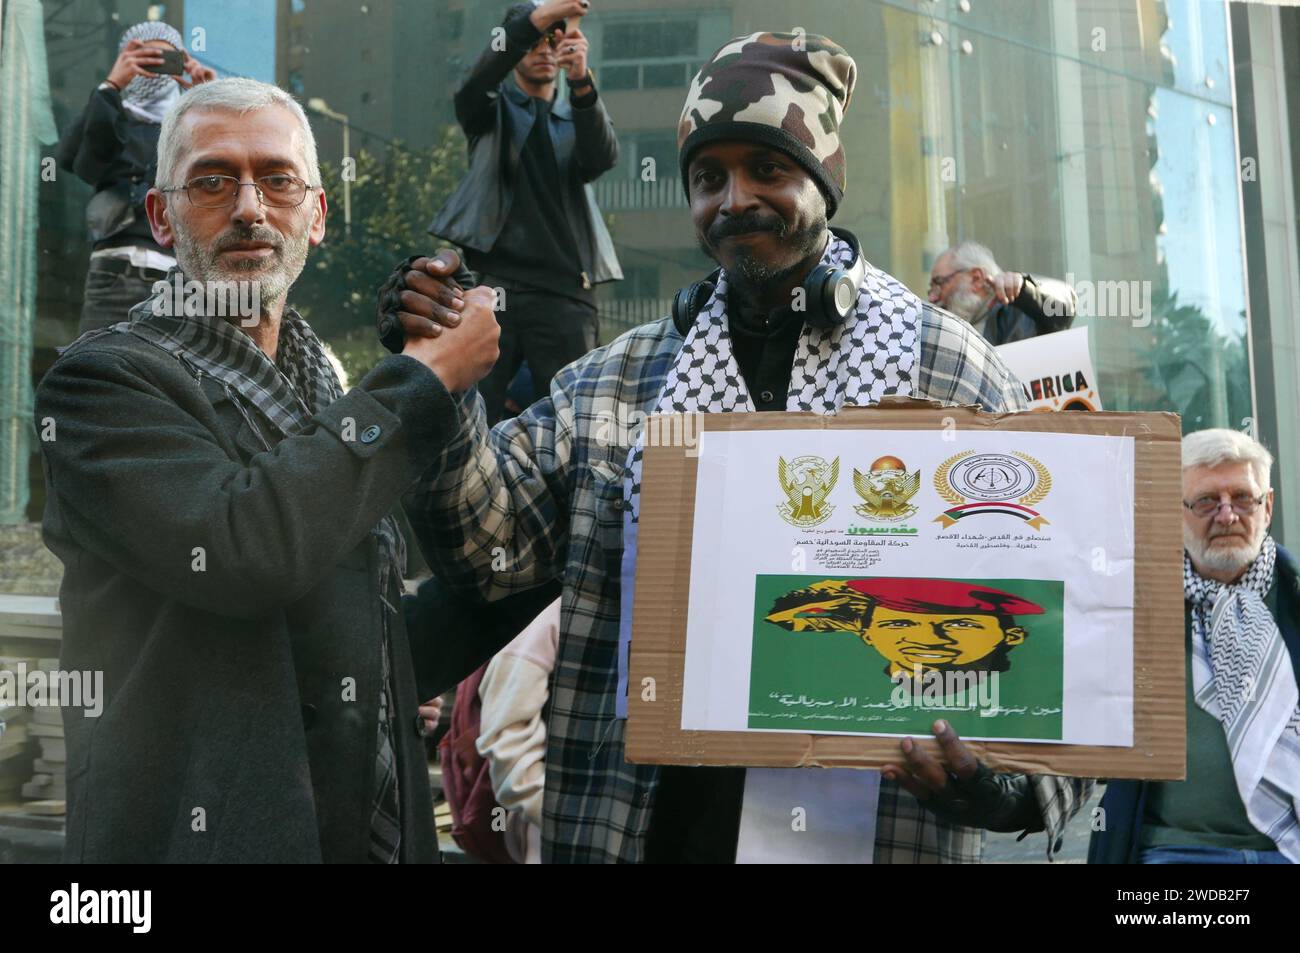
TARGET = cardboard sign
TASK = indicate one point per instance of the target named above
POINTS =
(1024, 586)
(1056, 370)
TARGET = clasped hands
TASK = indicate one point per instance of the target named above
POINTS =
(425, 313)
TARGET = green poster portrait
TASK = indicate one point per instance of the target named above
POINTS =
(891, 655)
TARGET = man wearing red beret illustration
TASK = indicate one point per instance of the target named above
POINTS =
(914, 623)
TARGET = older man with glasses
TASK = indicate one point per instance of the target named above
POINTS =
(1004, 306)
(223, 513)
(1240, 803)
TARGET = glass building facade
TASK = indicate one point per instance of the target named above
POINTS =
(1140, 149)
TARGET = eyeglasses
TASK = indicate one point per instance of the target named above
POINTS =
(551, 39)
(936, 284)
(279, 190)
(1243, 504)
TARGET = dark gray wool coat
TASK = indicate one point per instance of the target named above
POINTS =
(228, 732)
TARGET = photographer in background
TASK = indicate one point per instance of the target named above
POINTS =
(524, 213)
(112, 146)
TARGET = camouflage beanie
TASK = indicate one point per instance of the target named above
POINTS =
(786, 90)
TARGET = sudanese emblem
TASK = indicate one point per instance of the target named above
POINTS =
(887, 489)
(977, 484)
(806, 482)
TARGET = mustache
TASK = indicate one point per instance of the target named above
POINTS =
(744, 224)
(256, 233)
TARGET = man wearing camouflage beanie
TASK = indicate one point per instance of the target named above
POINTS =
(794, 319)
(786, 91)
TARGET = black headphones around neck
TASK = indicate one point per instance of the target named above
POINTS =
(830, 292)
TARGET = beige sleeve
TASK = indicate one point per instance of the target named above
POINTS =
(512, 735)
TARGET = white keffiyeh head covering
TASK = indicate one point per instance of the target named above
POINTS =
(149, 97)
(1242, 675)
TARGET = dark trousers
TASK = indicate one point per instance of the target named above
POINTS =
(546, 330)
(113, 287)
(696, 816)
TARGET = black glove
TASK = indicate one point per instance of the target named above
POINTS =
(1004, 803)
(389, 301)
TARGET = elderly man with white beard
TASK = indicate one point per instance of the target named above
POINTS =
(1004, 306)
(223, 513)
(1240, 803)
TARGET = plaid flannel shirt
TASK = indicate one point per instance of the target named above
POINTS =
(540, 497)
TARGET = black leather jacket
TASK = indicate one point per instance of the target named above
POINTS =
(496, 118)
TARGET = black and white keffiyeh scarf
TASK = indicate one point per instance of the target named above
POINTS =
(288, 392)
(875, 353)
(1242, 675)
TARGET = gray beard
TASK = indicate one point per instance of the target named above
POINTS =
(968, 306)
(1233, 559)
(274, 279)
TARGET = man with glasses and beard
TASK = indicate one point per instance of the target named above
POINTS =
(222, 511)
(1004, 306)
(1240, 803)
(794, 319)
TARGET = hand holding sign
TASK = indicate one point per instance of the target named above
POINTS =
(962, 790)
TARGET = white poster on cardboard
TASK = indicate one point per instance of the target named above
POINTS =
(871, 582)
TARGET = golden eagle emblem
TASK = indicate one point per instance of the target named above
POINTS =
(806, 482)
(887, 490)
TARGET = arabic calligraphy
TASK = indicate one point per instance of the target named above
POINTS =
(803, 702)
(992, 540)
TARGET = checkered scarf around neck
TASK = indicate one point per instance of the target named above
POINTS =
(873, 354)
(149, 97)
(287, 393)
(1242, 675)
